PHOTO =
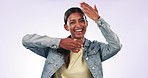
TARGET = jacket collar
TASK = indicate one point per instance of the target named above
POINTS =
(89, 48)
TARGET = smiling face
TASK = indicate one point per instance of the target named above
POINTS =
(76, 24)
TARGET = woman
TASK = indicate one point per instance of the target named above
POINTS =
(75, 56)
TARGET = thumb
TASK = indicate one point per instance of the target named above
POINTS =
(95, 8)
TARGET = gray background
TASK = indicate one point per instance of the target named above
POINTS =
(45, 17)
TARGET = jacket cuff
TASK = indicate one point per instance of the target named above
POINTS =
(100, 21)
(56, 43)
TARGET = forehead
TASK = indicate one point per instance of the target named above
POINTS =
(75, 16)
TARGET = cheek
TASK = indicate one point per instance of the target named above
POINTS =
(71, 30)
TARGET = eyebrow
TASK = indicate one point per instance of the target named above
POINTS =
(81, 18)
(78, 19)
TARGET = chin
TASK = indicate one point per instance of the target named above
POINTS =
(79, 37)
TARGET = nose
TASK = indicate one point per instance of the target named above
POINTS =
(78, 24)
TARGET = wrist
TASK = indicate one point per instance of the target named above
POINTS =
(97, 19)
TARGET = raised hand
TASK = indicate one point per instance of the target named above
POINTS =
(92, 13)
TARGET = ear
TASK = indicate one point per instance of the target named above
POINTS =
(66, 27)
(86, 23)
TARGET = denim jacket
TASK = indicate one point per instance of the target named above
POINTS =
(94, 52)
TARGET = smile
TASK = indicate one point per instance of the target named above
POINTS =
(78, 30)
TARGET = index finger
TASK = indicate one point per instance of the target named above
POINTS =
(78, 42)
(85, 6)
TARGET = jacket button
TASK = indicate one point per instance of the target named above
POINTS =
(54, 46)
(86, 58)
(56, 65)
(93, 67)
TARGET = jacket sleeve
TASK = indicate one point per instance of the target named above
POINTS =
(40, 44)
(113, 45)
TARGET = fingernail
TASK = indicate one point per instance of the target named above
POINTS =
(75, 39)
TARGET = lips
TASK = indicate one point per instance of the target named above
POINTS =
(78, 32)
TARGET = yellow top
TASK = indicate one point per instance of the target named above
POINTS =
(76, 69)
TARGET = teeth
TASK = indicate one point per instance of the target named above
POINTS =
(78, 30)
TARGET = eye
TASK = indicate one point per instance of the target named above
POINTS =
(72, 22)
(82, 20)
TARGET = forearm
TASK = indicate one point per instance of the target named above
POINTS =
(34, 40)
(109, 35)
(40, 44)
(113, 45)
